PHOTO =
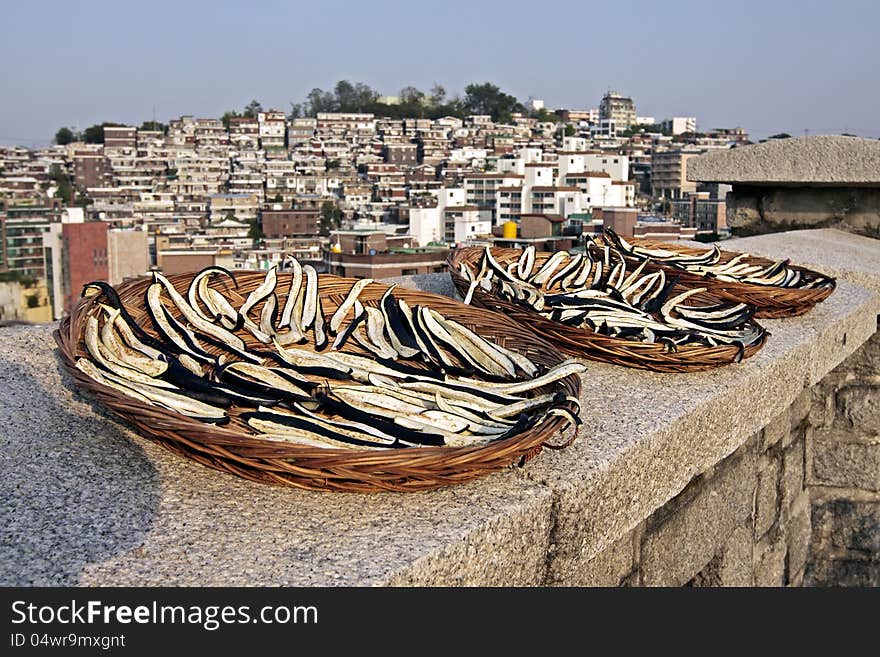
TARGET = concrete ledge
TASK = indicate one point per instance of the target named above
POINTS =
(86, 501)
(815, 161)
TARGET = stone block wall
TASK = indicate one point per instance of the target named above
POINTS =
(798, 503)
(754, 210)
(843, 472)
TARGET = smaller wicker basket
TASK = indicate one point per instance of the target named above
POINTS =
(772, 301)
(233, 448)
(586, 343)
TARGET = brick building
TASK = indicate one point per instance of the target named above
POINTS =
(288, 223)
(402, 154)
(90, 169)
(83, 258)
(120, 137)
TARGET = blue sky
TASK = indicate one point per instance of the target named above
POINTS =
(768, 66)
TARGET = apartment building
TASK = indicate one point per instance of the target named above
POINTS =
(91, 169)
(401, 154)
(619, 109)
(554, 200)
(120, 138)
(481, 190)
(700, 211)
(371, 254)
(272, 127)
(282, 223)
(427, 215)
(462, 222)
(509, 204)
(679, 124)
(244, 133)
(23, 232)
(244, 207)
(301, 131)
(669, 172)
(614, 164)
(198, 175)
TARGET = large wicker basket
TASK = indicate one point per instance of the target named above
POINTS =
(772, 302)
(586, 343)
(235, 449)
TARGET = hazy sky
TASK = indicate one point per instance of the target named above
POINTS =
(767, 66)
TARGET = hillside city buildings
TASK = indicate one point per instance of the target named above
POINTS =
(357, 194)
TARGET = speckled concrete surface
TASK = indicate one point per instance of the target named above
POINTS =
(86, 501)
(436, 283)
(648, 434)
(824, 159)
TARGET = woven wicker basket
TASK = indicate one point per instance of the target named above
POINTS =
(235, 449)
(772, 301)
(586, 343)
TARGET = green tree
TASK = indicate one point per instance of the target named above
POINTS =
(252, 109)
(331, 164)
(228, 116)
(319, 100)
(411, 96)
(64, 189)
(437, 95)
(331, 216)
(255, 232)
(487, 98)
(297, 110)
(781, 135)
(94, 134)
(154, 126)
(570, 130)
(544, 115)
(65, 136)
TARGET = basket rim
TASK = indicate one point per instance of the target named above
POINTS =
(68, 338)
(772, 301)
(584, 342)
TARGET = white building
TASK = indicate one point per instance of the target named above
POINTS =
(605, 129)
(535, 104)
(616, 166)
(427, 224)
(272, 129)
(679, 124)
(463, 222)
(575, 143)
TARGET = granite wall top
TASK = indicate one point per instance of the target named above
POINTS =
(85, 500)
(821, 160)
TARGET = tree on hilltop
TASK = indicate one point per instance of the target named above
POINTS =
(487, 98)
(94, 134)
(155, 126)
(437, 95)
(65, 136)
(252, 109)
